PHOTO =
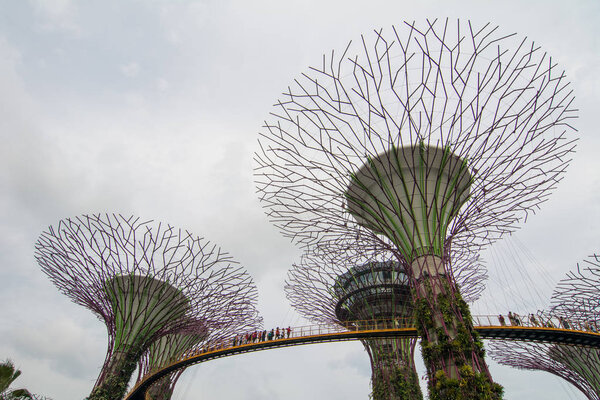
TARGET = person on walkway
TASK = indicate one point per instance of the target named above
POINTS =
(289, 330)
(501, 319)
(517, 319)
(533, 320)
(511, 318)
(277, 333)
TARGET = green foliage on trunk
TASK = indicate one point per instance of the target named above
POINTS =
(114, 385)
(403, 383)
(469, 385)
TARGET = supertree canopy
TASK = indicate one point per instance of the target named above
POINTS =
(425, 138)
(144, 281)
(576, 302)
(576, 364)
(343, 284)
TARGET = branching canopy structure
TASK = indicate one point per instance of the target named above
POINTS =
(144, 281)
(311, 282)
(576, 300)
(576, 364)
(577, 296)
(423, 139)
(496, 101)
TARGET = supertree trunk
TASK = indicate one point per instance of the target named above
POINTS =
(117, 371)
(583, 362)
(376, 295)
(141, 307)
(161, 390)
(368, 295)
(168, 349)
(452, 350)
(393, 372)
(578, 365)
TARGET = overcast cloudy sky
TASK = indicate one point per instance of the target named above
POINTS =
(152, 108)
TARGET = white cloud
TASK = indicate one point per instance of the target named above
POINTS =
(57, 15)
(162, 84)
(130, 70)
(181, 19)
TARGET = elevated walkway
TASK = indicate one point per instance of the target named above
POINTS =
(488, 327)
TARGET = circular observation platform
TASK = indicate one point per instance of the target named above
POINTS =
(377, 290)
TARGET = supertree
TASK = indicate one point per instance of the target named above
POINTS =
(343, 284)
(576, 302)
(426, 138)
(144, 281)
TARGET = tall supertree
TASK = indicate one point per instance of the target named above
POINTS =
(576, 302)
(144, 281)
(426, 138)
(343, 284)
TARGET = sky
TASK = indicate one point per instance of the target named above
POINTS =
(153, 108)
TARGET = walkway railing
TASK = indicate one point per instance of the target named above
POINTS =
(538, 320)
(540, 327)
